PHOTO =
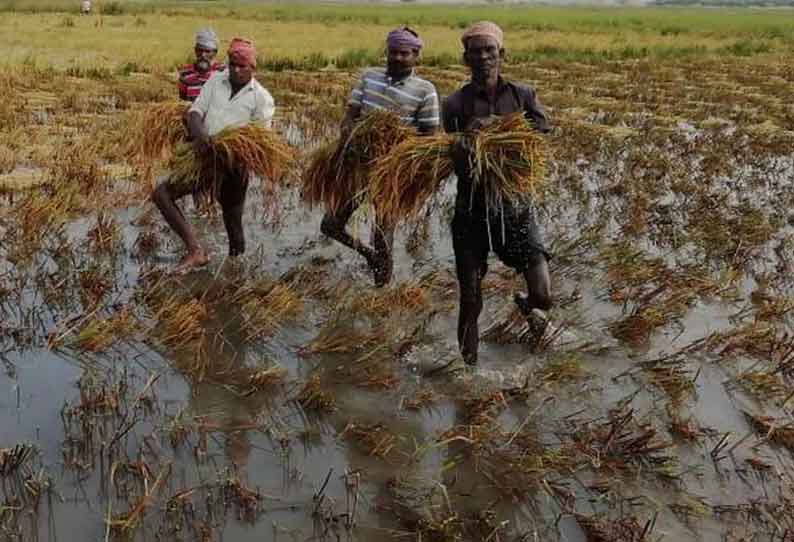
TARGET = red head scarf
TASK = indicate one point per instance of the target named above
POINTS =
(242, 51)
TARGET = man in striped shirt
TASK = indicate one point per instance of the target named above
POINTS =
(396, 88)
(193, 76)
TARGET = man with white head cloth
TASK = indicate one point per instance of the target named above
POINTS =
(193, 76)
(512, 231)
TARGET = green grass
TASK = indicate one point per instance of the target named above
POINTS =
(142, 35)
(749, 23)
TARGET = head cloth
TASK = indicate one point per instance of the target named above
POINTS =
(207, 39)
(242, 51)
(403, 37)
(483, 29)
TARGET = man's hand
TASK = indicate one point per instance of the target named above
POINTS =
(481, 123)
(198, 132)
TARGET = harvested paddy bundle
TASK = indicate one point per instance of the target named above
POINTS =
(405, 179)
(155, 131)
(234, 153)
(506, 161)
(339, 172)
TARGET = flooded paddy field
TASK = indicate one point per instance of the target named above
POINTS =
(280, 396)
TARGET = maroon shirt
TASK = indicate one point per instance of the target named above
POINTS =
(471, 102)
(191, 80)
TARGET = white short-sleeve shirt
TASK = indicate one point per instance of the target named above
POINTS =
(220, 109)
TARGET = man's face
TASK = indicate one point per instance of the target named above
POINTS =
(240, 73)
(401, 60)
(483, 56)
(204, 58)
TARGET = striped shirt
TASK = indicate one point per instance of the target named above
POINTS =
(191, 80)
(413, 98)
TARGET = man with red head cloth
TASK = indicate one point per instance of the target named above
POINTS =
(396, 88)
(229, 98)
(512, 231)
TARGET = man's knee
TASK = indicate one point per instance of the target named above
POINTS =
(543, 298)
(470, 301)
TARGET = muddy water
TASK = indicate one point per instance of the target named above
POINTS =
(287, 455)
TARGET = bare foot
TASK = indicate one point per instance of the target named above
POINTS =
(194, 260)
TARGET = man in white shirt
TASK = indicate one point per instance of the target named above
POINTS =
(230, 98)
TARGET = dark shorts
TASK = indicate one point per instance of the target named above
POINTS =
(513, 234)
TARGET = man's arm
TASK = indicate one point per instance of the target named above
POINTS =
(265, 109)
(429, 115)
(450, 114)
(196, 114)
(534, 111)
(197, 129)
(181, 85)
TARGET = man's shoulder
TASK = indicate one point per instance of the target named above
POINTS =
(521, 88)
(423, 84)
(373, 73)
(186, 70)
(217, 78)
(455, 99)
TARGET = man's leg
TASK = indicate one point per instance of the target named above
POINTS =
(536, 275)
(232, 199)
(538, 282)
(165, 196)
(334, 226)
(470, 270)
(382, 243)
(471, 264)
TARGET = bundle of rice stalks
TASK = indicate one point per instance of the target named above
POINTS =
(339, 172)
(249, 150)
(405, 179)
(154, 131)
(507, 161)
